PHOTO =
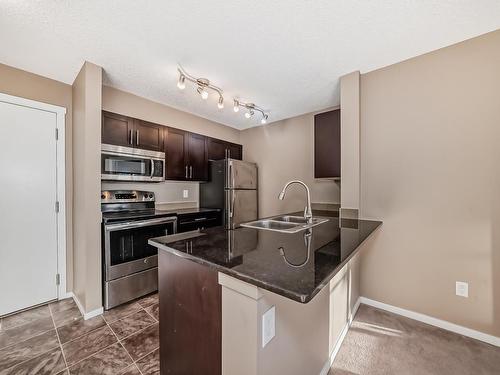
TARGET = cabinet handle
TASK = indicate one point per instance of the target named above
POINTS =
(137, 136)
(228, 153)
(190, 171)
(186, 171)
(130, 139)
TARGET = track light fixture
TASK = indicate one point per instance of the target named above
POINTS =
(203, 86)
(251, 108)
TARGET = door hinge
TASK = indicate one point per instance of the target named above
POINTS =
(57, 206)
(58, 279)
(57, 134)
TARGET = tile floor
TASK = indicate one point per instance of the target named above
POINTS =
(54, 339)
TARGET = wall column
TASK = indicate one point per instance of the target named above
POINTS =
(87, 287)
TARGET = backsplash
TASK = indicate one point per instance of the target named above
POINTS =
(167, 192)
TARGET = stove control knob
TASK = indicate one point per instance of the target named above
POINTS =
(103, 196)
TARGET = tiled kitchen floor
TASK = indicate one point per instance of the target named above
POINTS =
(54, 339)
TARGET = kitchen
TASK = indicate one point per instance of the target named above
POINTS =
(399, 242)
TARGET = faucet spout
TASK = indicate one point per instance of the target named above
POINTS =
(307, 209)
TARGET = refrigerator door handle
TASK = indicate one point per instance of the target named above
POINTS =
(232, 203)
(230, 176)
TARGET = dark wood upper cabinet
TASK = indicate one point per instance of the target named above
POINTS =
(198, 157)
(176, 153)
(186, 154)
(219, 149)
(235, 151)
(122, 130)
(148, 136)
(117, 129)
(327, 144)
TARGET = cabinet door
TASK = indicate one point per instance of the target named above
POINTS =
(327, 144)
(148, 136)
(117, 129)
(235, 151)
(176, 154)
(198, 157)
(216, 149)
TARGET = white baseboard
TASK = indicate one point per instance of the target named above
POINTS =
(86, 315)
(340, 339)
(493, 340)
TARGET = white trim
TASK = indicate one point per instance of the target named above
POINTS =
(493, 340)
(340, 339)
(32, 104)
(90, 314)
(60, 113)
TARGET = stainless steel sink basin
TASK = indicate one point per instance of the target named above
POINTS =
(272, 225)
(284, 223)
(291, 219)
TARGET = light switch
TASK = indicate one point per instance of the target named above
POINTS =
(268, 325)
(185, 194)
(462, 289)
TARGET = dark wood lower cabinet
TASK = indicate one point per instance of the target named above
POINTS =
(190, 317)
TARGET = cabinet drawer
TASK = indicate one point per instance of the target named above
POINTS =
(188, 222)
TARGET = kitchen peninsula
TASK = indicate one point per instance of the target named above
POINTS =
(215, 286)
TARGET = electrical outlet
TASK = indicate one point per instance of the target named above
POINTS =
(185, 194)
(462, 289)
(268, 325)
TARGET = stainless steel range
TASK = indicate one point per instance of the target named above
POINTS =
(130, 264)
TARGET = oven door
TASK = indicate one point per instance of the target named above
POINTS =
(129, 164)
(126, 248)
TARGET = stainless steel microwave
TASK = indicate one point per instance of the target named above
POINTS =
(120, 163)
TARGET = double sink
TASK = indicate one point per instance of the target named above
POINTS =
(285, 223)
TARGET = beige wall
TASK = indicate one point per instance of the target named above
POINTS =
(349, 134)
(284, 151)
(87, 187)
(31, 86)
(135, 106)
(430, 169)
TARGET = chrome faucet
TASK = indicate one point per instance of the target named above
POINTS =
(307, 209)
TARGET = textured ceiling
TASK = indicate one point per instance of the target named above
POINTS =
(284, 55)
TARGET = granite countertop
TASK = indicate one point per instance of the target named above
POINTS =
(296, 266)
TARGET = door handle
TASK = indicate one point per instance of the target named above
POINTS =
(190, 171)
(186, 171)
(137, 137)
(130, 138)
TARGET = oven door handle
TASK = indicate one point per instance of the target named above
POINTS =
(140, 223)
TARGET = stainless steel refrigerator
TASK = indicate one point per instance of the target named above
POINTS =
(232, 187)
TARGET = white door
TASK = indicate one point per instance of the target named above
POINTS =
(28, 220)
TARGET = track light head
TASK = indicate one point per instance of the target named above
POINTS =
(263, 120)
(220, 104)
(181, 83)
(203, 93)
(236, 106)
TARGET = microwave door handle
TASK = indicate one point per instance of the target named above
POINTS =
(152, 167)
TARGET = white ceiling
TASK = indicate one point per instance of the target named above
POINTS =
(284, 55)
